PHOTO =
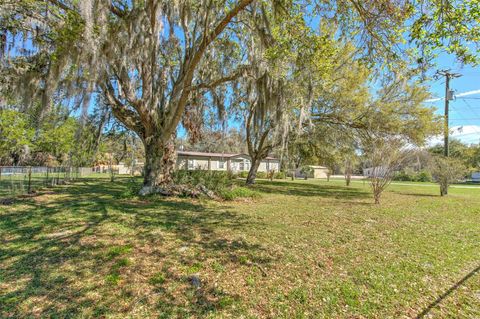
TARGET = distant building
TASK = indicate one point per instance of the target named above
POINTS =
(119, 168)
(223, 162)
(319, 171)
(316, 172)
(200, 161)
(378, 171)
(476, 177)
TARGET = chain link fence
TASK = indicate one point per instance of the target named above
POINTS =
(19, 180)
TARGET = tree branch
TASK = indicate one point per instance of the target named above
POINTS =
(128, 117)
(214, 83)
(116, 11)
(174, 114)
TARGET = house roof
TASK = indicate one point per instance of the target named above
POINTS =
(224, 155)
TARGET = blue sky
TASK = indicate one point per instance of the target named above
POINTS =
(464, 110)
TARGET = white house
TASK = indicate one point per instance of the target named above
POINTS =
(377, 171)
(222, 162)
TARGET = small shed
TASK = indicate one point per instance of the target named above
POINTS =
(319, 171)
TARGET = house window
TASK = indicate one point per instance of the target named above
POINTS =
(191, 164)
(221, 164)
(241, 166)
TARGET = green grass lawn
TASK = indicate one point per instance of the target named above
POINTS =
(303, 249)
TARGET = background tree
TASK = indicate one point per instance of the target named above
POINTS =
(141, 56)
(469, 155)
(445, 171)
(281, 58)
(113, 150)
(15, 136)
(56, 137)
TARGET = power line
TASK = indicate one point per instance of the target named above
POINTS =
(470, 118)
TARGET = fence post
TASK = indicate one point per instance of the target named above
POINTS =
(0, 173)
(46, 178)
(29, 189)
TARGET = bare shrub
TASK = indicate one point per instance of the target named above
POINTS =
(385, 155)
(446, 171)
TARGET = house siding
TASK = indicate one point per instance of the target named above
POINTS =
(235, 163)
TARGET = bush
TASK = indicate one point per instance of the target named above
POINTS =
(307, 171)
(132, 188)
(446, 171)
(215, 181)
(242, 174)
(238, 192)
(280, 175)
(403, 176)
(262, 175)
(422, 176)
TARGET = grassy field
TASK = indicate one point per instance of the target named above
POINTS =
(303, 249)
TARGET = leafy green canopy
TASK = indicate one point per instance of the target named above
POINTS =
(15, 132)
(57, 140)
(144, 52)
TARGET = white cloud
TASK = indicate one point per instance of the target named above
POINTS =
(465, 133)
(467, 93)
(456, 95)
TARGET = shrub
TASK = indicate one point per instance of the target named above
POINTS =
(243, 174)
(132, 188)
(262, 175)
(280, 175)
(212, 180)
(307, 171)
(403, 176)
(446, 171)
(238, 192)
(424, 176)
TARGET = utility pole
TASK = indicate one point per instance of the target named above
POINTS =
(448, 97)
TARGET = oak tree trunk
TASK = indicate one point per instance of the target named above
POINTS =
(160, 160)
(252, 173)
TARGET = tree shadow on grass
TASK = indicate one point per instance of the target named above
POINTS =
(417, 194)
(448, 292)
(78, 253)
(309, 189)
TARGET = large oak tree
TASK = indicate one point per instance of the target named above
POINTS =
(156, 62)
(151, 60)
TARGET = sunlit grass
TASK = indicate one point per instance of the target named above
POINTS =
(302, 249)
